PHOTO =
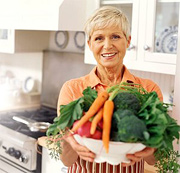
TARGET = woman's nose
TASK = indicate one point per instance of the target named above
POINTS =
(107, 44)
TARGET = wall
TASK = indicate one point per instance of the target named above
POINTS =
(22, 65)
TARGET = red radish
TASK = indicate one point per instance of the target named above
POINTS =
(97, 135)
(100, 124)
(84, 130)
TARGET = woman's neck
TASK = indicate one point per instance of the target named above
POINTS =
(110, 76)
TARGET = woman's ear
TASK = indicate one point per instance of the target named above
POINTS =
(89, 44)
(128, 41)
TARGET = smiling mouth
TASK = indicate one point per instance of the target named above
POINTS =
(108, 55)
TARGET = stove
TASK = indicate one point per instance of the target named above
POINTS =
(18, 145)
(43, 114)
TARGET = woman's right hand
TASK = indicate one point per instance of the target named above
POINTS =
(83, 152)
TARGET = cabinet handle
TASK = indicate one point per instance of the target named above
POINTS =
(146, 47)
(131, 46)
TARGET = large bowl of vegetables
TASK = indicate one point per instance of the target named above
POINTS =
(131, 117)
(117, 150)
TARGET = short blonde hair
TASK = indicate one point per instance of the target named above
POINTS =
(107, 16)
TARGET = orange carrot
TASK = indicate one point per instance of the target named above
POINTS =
(95, 121)
(94, 108)
(107, 117)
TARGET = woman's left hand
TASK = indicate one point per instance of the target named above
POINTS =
(138, 156)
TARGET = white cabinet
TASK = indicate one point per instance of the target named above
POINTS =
(12, 41)
(43, 14)
(154, 32)
(50, 165)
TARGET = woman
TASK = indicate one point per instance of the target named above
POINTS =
(108, 36)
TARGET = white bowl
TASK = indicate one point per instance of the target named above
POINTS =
(117, 150)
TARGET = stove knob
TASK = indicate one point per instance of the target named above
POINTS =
(23, 159)
(17, 154)
(11, 151)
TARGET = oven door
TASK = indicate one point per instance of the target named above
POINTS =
(7, 166)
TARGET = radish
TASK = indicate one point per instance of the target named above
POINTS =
(84, 130)
(97, 135)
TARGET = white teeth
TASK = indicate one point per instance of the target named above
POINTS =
(107, 55)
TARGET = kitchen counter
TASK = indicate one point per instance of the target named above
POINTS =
(42, 141)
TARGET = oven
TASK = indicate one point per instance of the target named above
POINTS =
(18, 144)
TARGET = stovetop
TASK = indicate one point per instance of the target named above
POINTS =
(43, 114)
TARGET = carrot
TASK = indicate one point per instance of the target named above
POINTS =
(94, 108)
(95, 121)
(107, 117)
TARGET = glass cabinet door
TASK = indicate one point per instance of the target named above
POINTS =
(3, 34)
(7, 40)
(130, 8)
(162, 31)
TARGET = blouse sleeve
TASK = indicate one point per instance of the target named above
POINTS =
(65, 96)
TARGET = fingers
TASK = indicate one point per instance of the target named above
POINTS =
(145, 153)
(133, 157)
(82, 151)
(128, 164)
(138, 156)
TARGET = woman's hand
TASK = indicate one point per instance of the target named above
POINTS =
(83, 152)
(146, 154)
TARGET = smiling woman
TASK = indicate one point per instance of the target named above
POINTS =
(105, 46)
(108, 34)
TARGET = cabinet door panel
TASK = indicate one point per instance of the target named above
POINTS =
(161, 31)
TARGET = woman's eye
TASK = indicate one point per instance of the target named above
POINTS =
(98, 38)
(116, 37)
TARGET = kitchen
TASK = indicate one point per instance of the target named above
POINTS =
(25, 67)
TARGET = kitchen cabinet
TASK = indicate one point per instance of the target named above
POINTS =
(154, 34)
(12, 41)
(43, 14)
(51, 165)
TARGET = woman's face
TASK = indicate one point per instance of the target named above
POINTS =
(109, 46)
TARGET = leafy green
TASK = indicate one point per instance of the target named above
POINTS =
(167, 161)
(72, 112)
(162, 129)
(89, 97)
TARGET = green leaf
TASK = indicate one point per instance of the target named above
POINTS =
(69, 113)
(89, 97)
